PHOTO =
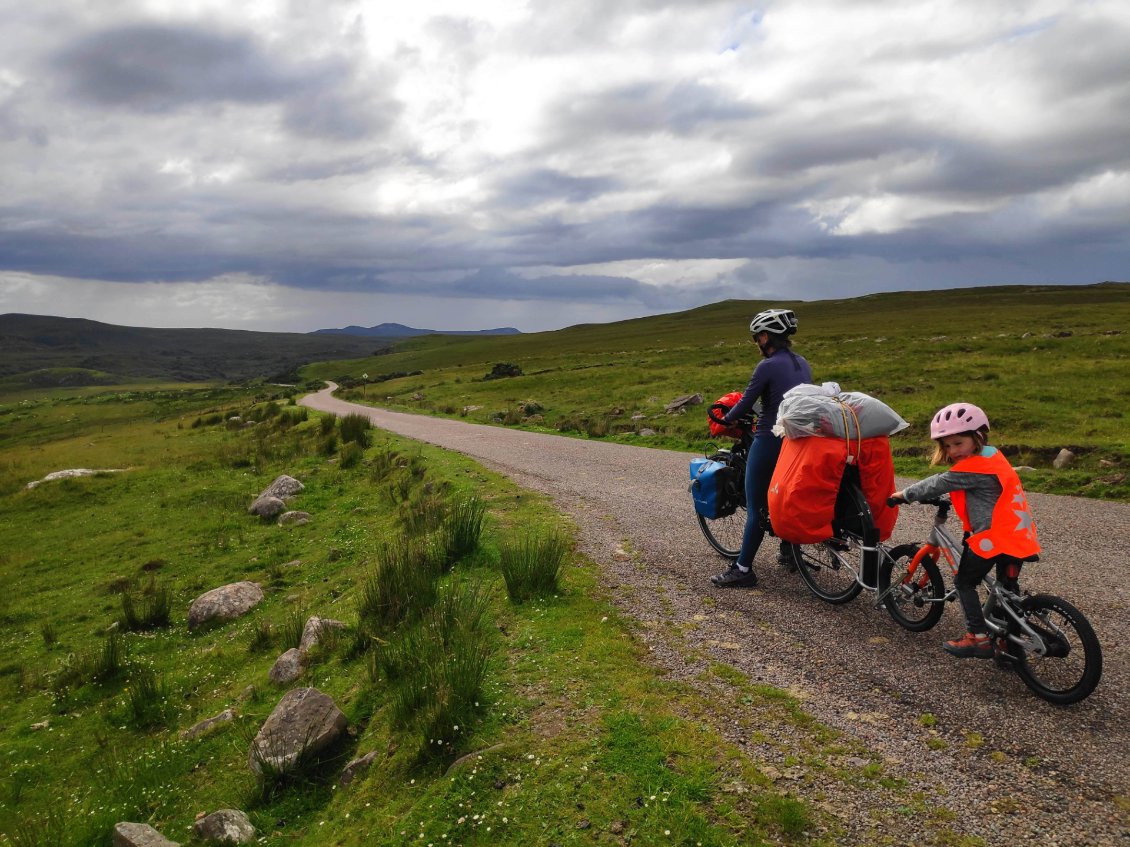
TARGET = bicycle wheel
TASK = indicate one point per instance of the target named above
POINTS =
(824, 569)
(724, 534)
(911, 587)
(1073, 663)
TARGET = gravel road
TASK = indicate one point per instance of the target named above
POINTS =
(1059, 775)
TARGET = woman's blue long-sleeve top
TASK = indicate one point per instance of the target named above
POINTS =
(772, 377)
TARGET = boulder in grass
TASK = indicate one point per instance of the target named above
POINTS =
(313, 631)
(227, 826)
(225, 603)
(357, 767)
(304, 723)
(208, 725)
(1064, 458)
(284, 486)
(681, 403)
(267, 506)
(288, 667)
(139, 835)
(294, 518)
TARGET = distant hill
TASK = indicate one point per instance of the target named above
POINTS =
(38, 349)
(402, 331)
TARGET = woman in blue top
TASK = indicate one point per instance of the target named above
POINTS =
(779, 370)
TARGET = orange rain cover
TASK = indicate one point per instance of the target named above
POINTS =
(802, 493)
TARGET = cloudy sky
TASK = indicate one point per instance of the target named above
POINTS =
(292, 165)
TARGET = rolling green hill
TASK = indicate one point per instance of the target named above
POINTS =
(38, 350)
(1048, 363)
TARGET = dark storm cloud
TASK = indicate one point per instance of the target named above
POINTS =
(500, 284)
(155, 68)
(529, 187)
(151, 67)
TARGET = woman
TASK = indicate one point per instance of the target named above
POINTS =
(779, 370)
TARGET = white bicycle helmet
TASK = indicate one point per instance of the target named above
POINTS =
(957, 418)
(775, 321)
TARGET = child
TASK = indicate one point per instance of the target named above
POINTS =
(990, 501)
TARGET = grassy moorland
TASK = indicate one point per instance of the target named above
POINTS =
(1048, 363)
(577, 739)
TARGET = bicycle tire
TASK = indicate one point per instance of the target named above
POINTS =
(1073, 665)
(915, 603)
(825, 572)
(724, 534)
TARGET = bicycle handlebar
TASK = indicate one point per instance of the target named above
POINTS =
(742, 423)
(942, 503)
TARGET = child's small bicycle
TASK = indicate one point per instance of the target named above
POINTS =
(1045, 639)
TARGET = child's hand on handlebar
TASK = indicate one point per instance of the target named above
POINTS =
(897, 499)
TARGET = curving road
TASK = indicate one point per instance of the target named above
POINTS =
(1059, 775)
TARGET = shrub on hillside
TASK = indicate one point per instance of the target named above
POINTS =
(502, 370)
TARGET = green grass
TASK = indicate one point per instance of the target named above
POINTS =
(1048, 363)
(565, 732)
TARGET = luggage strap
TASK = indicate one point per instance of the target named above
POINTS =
(845, 412)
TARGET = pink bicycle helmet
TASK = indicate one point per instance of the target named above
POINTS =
(957, 418)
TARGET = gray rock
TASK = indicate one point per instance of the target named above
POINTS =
(225, 603)
(680, 403)
(288, 667)
(314, 628)
(356, 768)
(208, 725)
(267, 506)
(227, 826)
(305, 722)
(139, 835)
(646, 432)
(294, 518)
(284, 486)
(1065, 458)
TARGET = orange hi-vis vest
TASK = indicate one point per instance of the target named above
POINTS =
(1012, 531)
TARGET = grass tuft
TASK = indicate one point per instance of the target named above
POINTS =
(461, 530)
(398, 589)
(438, 668)
(530, 567)
(150, 611)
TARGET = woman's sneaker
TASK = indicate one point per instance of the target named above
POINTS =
(974, 645)
(735, 577)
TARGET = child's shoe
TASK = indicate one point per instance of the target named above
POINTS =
(977, 645)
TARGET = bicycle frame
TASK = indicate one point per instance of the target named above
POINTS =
(941, 543)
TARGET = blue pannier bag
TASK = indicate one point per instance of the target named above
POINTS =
(713, 488)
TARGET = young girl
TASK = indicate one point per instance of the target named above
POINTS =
(987, 496)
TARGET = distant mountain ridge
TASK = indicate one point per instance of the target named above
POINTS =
(34, 345)
(392, 330)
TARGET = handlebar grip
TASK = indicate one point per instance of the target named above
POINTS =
(896, 501)
(711, 413)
